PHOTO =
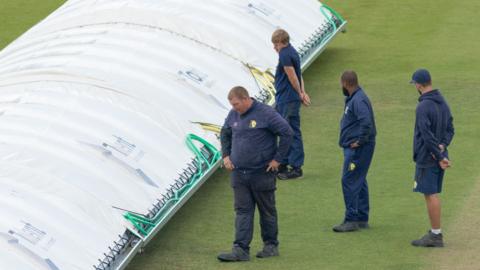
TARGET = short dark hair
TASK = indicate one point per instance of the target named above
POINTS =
(350, 78)
(238, 92)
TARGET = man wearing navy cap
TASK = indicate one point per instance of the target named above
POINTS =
(433, 133)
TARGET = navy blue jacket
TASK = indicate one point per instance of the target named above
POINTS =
(358, 122)
(285, 93)
(250, 139)
(433, 126)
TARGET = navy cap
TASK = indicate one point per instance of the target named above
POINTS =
(421, 76)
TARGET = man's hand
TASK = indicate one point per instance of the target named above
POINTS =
(442, 149)
(305, 98)
(228, 163)
(445, 163)
(273, 166)
(354, 145)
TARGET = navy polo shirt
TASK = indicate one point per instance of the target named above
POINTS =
(288, 57)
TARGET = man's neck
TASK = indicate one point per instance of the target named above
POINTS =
(250, 104)
(283, 46)
(427, 89)
(351, 91)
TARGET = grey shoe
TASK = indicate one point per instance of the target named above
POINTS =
(429, 240)
(237, 254)
(363, 225)
(346, 227)
(268, 251)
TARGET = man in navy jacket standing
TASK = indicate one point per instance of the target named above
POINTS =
(357, 138)
(290, 95)
(433, 134)
(251, 151)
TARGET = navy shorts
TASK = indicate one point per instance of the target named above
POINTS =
(428, 180)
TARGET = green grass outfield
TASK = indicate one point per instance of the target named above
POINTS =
(386, 41)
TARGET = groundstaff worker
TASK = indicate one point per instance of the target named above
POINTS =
(289, 96)
(255, 139)
(433, 133)
(357, 138)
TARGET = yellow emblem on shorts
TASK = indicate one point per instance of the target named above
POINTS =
(352, 166)
(414, 184)
(253, 123)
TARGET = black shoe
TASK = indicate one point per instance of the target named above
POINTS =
(294, 173)
(283, 168)
(237, 254)
(346, 227)
(268, 251)
(429, 240)
(363, 225)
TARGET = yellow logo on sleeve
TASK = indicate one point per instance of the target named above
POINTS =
(253, 123)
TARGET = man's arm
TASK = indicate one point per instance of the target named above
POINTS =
(294, 81)
(292, 77)
(364, 118)
(450, 132)
(226, 140)
(280, 127)
(431, 142)
(306, 98)
(303, 85)
(226, 143)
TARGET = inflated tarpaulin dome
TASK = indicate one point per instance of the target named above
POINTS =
(109, 113)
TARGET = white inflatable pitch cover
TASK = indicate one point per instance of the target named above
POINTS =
(109, 113)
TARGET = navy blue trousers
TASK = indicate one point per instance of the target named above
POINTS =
(250, 189)
(291, 112)
(354, 182)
